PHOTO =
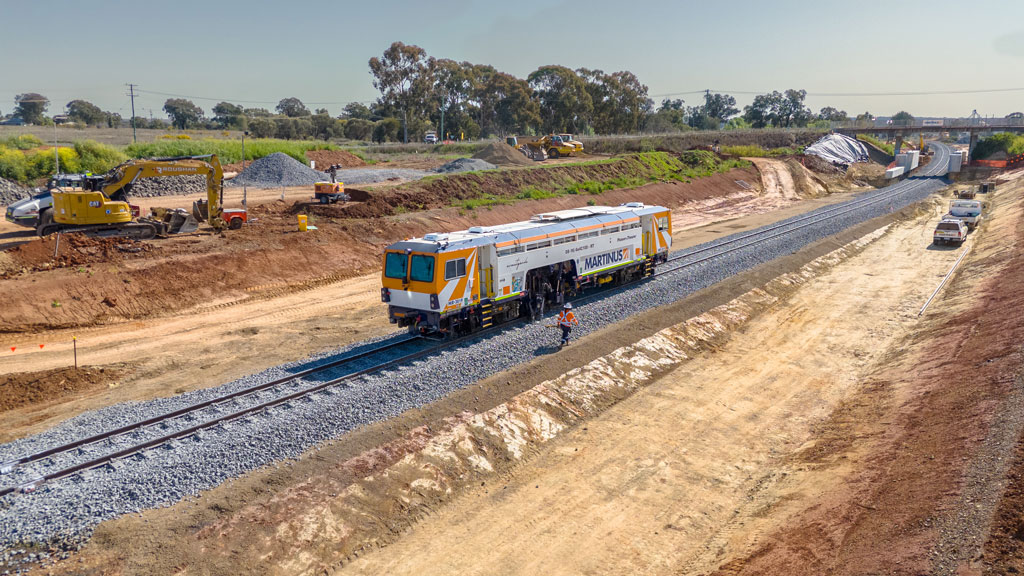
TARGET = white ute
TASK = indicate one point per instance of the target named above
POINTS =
(969, 211)
(950, 230)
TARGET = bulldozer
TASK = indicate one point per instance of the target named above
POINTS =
(100, 206)
(550, 146)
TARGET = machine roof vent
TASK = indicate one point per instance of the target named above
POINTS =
(634, 204)
(477, 230)
(434, 237)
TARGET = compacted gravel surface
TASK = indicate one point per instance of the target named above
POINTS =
(60, 515)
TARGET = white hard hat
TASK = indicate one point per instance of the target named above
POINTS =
(568, 305)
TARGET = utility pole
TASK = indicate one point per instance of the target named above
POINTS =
(442, 124)
(131, 93)
(405, 127)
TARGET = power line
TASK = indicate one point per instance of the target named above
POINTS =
(233, 100)
(851, 94)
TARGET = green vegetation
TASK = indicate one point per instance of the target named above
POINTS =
(23, 142)
(25, 158)
(25, 165)
(885, 146)
(534, 193)
(629, 172)
(486, 200)
(759, 152)
(227, 150)
(1011, 144)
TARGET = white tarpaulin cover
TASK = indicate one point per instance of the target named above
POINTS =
(839, 148)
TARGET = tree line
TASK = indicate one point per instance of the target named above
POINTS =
(465, 100)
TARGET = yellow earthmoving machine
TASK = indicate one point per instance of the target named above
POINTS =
(101, 208)
(550, 146)
(568, 139)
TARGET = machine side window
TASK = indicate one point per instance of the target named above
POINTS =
(663, 223)
(396, 265)
(421, 269)
(455, 269)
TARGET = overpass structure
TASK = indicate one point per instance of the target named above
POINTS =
(972, 126)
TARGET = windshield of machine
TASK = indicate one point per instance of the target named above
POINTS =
(396, 265)
(422, 268)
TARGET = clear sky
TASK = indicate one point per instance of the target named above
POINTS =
(258, 52)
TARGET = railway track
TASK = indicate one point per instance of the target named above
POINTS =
(193, 411)
(191, 418)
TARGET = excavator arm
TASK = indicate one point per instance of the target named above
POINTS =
(122, 178)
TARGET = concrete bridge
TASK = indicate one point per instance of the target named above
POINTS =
(973, 126)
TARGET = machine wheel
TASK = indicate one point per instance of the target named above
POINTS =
(325, 200)
(553, 153)
(235, 224)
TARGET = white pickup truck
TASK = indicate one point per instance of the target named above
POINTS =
(967, 210)
(950, 230)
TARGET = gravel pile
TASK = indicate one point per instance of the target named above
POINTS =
(503, 155)
(11, 192)
(169, 186)
(465, 165)
(276, 170)
(355, 176)
(63, 514)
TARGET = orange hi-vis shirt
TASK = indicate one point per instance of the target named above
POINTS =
(567, 318)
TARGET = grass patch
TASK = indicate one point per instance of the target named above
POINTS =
(632, 171)
(27, 165)
(227, 150)
(484, 201)
(535, 193)
(750, 151)
(884, 146)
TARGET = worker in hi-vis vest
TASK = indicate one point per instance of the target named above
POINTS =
(566, 320)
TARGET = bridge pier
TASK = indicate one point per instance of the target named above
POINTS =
(970, 147)
(899, 144)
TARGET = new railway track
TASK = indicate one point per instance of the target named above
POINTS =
(418, 347)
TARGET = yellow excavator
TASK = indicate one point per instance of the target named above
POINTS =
(101, 208)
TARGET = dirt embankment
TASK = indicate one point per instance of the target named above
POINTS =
(689, 140)
(507, 185)
(53, 386)
(904, 476)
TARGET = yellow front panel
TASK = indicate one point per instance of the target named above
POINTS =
(462, 291)
(84, 208)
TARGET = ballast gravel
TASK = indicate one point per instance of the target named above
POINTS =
(61, 515)
(278, 170)
(11, 192)
(465, 165)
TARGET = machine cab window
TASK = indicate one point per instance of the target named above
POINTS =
(455, 269)
(421, 268)
(396, 265)
(663, 223)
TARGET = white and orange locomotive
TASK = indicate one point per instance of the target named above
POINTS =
(458, 282)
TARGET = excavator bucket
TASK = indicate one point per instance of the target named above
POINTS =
(175, 220)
